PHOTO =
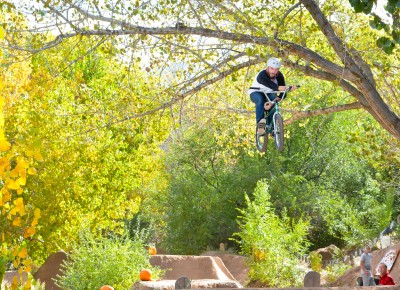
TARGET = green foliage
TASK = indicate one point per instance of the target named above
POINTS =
(114, 260)
(272, 242)
(97, 163)
(331, 181)
(335, 271)
(206, 186)
(392, 10)
(323, 176)
(315, 261)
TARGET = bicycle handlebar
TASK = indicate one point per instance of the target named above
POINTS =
(288, 89)
(284, 91)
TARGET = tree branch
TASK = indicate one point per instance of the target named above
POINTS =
(296, 115)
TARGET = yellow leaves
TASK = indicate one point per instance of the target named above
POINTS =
(4, 164)
(34, 222)
(4, 145)
(38, 156)
(15, 178)
(17, 161)
(22, 163)
(23, 253)
(6, 195)
(21, 181)
(28, 265)
(12, 184)
(28, 284)
(2, 32)
(1, 121)
(22, 262)
(17, 222)
(37, 213)
(14, 283)
(30, 231)
(19, 207)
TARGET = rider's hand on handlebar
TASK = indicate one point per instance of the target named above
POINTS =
(292, 88)
(267, 106)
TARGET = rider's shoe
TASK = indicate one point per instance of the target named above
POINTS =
(261, 126)
(272, 134)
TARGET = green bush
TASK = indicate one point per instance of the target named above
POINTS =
(335, 271)
(272, 242)
(315, 261)
(115, 261)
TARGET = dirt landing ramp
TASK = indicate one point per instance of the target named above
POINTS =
(236, 265)
(204, 271)
(50, 269)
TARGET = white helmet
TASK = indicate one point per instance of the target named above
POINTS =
(274, 62)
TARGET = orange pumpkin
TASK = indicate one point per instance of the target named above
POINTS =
(106, 287)
(145, 275)
(152, 250)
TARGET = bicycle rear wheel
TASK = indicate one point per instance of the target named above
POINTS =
(261, 141)
(279, 132)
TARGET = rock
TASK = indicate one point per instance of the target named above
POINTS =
(183, 283)
(50, 269)
(312, 279)
(328, 253)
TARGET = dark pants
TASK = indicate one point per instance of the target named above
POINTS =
(259, 99)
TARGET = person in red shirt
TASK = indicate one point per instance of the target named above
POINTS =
(385, 279)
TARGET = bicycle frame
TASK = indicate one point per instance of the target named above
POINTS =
(274, 109)
(276, 128)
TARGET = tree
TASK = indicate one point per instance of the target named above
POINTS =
(19, 217)
(198, 43)
(390, 22)
(90, 171)
(273, 243)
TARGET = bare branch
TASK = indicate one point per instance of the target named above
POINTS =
(183, 95)
(195, 13)
(365, 82)
(296, 115)
(323, 75)
(284, 17)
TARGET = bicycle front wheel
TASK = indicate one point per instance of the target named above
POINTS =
(261, 141)
(279, 132)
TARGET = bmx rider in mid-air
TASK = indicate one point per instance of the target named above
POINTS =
(267, 80)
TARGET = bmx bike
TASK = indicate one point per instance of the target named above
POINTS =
(275, 127)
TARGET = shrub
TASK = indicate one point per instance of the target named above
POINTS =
(115, 261)
(315, 261)
(335, 271)
(272, 242)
